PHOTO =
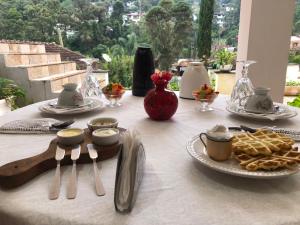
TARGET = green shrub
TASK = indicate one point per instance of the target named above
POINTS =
(174, 84)
(294, 58)
(295, 102)
(117, 50)
(292, 83)
(120, 69)
(213, 82)
(225, 57)
(12, 93)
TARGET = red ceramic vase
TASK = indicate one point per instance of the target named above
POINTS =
(159, 103)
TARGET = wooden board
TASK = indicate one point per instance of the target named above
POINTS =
(19, 172)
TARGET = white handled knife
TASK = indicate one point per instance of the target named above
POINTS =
(55, 187)
(94, 155)
(72, 186)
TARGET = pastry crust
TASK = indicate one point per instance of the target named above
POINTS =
(265, 150)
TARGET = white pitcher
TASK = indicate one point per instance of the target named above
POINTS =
(193, 78)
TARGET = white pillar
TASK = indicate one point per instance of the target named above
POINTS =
(264, 36)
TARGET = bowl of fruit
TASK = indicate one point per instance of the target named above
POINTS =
(205, 95)
(113, 93)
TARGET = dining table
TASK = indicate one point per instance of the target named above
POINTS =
(176, 189)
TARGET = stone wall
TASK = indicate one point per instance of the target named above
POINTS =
(66, 54)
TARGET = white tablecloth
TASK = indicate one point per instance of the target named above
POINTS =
(175, 189)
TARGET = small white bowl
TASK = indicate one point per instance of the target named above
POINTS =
(70, 97)
(102, 122)
(70, 136)
(105, 136)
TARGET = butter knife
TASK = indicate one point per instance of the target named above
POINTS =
(72, 186)
(294, 134)
(94, 155)
(55, 187)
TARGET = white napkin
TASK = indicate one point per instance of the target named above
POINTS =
(129, 171)
(29, 126)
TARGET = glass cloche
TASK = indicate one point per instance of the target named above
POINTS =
(90, 86)
(243, 88)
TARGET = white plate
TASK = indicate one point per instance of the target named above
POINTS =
(95, 104)
(196, 149)
(54, 104)
(284, 112)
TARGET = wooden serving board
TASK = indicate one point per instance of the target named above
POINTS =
(19, 172)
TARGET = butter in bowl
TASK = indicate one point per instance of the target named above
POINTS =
(70, 136)
(102, 122)
(105, 136)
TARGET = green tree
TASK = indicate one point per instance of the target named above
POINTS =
(168, 26)
(30, 20)
(231, 23)
(89, 27)
(296, 24)
(118, 11)
(42, 20)
(129, 43)
(205, 26)
(182, 18)
(147, 4)
(216, 28)
(140, 31)
(116, 21)
(99, 50)
(166, 4)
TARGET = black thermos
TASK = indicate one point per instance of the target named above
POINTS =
(142, 71)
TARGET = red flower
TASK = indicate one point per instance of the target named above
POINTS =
(155, 77)
(166, 75)
(159, 77)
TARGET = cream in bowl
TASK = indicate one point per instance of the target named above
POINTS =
(70, 136)
(105, 136)
(104, 122)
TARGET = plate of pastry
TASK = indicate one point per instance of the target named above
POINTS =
(262, 155)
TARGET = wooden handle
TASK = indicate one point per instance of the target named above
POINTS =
(99, 186)
(19, 166)
(19, 172)
(55, 186)
(72, 186)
